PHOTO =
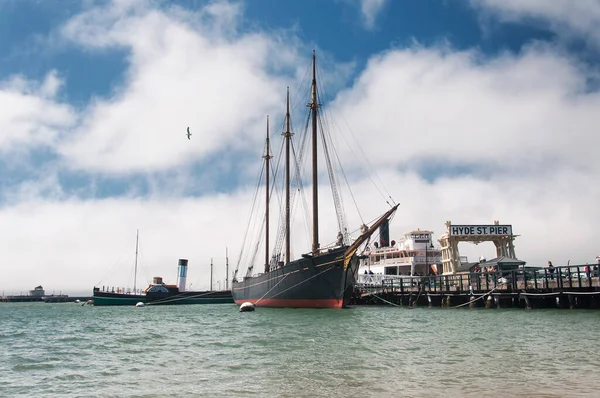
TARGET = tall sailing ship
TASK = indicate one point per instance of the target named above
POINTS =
(324, 277)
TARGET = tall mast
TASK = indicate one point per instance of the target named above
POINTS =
(226, 269)
(288, 138)
(314, 106)
(267, 158)
(137, 238)
(211, 272)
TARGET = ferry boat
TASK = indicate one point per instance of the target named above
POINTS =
(413, 255)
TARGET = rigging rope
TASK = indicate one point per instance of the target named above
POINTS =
(249, 221)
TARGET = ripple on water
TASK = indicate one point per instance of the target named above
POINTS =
(213, 350)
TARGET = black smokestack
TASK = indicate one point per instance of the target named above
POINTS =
(384, 234)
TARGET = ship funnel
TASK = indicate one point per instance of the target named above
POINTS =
(182, 272)
(384, 233)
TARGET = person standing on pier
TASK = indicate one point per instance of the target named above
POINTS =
(551, 269)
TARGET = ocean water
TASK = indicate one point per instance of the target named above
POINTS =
(69, 350)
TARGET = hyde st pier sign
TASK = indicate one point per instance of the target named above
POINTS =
(501, 235)
(480, 230)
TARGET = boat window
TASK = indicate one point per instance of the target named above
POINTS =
(391, 271)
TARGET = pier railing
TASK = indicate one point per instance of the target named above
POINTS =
(581, 277)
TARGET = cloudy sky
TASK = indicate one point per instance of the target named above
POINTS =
(469, 111)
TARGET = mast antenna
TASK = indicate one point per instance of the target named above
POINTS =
(137, 239)
(288, 137)
(267, 158)
(314, 106)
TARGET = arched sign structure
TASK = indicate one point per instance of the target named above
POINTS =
(501, 235)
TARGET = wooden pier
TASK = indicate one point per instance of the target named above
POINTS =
(564, 287)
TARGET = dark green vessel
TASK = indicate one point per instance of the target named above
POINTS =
(159, 293)
(162, 295)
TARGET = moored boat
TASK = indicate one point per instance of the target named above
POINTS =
(324, 277)
(413, 255)
(160, 293)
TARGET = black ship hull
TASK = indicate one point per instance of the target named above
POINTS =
(310, 282)
(171, 298)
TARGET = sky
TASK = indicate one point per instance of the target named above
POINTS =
(466, 111)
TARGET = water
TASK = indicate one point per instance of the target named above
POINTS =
(66, 350)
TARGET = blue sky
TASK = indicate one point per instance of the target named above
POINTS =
(467, 110)
(338, 27)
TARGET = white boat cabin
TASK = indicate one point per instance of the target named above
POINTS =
(413, 255)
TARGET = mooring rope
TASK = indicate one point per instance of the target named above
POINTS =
(541, 294)
(385, 301)
(461, 305)
(178, 297)
(495, 288)
(296, 285)
(480, 297)
(304, 281)
(582, 293)
(285, 276)
(421, 289)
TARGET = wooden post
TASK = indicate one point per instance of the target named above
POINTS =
(571, 301)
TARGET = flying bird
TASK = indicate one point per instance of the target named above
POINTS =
(189, 135)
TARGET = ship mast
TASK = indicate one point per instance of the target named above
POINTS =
(314, 106)
(137, 238)
(288, 138)
(226, 269)
(267, 158)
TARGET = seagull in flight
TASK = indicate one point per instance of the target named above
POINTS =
(189, 135)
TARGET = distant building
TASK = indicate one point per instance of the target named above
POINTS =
(38, 291)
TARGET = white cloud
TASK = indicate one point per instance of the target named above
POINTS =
(579, 18)
(31, 115)
(184, 70)
(370, 10)
(71, 245)
(529, 112)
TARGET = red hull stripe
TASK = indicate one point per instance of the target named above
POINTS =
(295, 303)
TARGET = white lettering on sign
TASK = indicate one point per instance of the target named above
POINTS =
(468, 230)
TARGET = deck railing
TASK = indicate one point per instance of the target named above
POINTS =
(558, 279)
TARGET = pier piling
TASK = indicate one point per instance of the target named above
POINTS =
(520, 288)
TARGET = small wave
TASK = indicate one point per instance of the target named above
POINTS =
(68, 377)
(33, 366)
